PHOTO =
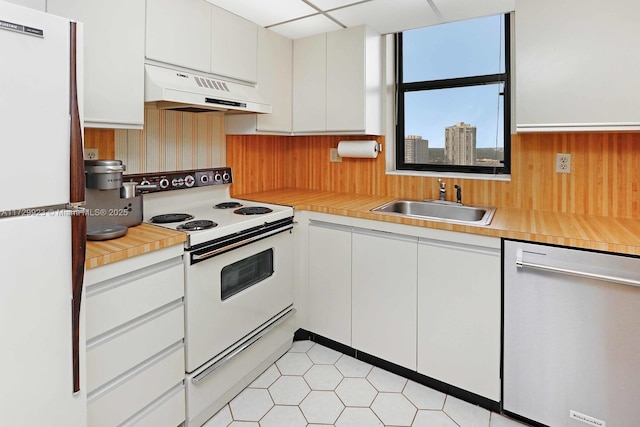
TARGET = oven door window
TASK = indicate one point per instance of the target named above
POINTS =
(245, 273)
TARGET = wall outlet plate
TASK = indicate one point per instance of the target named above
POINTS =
(563, 163)
(91, 153)
(334, 156)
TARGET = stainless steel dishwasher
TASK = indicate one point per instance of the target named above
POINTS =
(571, 336)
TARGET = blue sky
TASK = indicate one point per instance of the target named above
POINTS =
(458, 49)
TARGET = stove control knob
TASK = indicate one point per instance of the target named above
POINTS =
(164, 183)
(174, 182)
(217, 177)
(145, 182)
(226, 176)
(204, 178)
(189, 181)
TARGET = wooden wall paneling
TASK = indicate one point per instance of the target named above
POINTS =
(103, 140)
(604, 179)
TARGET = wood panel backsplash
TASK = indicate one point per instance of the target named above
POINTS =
(603, 181)
(170, 141)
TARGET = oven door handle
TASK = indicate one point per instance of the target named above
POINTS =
(210, 254)
(248, 343)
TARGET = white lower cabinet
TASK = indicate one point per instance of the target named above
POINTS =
(384, 295)
(428, 300)
(459, 313)
(135, 341)
(330, 281)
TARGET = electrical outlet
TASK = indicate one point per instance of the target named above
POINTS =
(90, 153)
(334, 156)
(563, 163)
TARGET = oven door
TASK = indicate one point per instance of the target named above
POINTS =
(229, 295)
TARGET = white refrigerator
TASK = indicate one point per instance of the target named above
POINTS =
(42, 229)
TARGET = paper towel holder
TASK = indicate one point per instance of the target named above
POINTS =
(378, 147)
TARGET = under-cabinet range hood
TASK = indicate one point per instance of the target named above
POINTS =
(171, 89)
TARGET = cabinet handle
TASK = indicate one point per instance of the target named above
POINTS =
(612, 279)
(246, 344)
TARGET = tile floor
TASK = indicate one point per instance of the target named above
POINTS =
(314, 386)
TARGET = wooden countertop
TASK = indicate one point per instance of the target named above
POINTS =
(581, 231)
(139, 240)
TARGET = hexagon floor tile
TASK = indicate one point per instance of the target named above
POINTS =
(314, 386)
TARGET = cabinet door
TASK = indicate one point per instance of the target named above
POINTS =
(459, 315)
(310, 84)
(346, 80)
(581, 71)
(179, 32)
(330, 281)
(275, 77)
(384, 295)
(113, 59)
(33, 4)
(234, 45)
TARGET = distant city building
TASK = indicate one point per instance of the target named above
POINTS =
(460, 144)
(416, 149)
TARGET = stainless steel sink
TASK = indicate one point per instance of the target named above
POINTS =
(436, 210)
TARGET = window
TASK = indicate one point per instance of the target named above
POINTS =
(453, 97)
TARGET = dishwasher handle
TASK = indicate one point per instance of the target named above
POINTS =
(607, 278)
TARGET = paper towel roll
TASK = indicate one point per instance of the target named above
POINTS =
(359, 149)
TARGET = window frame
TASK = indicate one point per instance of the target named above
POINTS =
(457, 82)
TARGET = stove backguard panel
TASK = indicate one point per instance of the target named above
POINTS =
(168, 181)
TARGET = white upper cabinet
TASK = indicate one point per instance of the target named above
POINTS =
(577, 65)
(275, 74)
(275, 85)
(179, 33)
(113, 59)
(337, 82)
(310, 84)
(200, 36)
(354, 80)
(234, 45)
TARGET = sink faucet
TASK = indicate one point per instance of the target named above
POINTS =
(458, 194)
(443, 190)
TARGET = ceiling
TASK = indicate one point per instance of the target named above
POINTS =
(301, 18)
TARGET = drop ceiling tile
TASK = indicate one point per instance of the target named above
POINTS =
(332, 4)
(388, 16)
(266, 13)
(466, 9)
(306, 27)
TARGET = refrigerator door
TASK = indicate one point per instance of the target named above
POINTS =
(35, 324)
(34, 108)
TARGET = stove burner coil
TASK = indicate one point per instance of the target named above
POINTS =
(169, 218)
(253, 210)
(202, 224)
(228, 205)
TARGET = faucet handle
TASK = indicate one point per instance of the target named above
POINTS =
(442, 184)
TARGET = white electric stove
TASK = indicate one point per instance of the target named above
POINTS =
(239, 282)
